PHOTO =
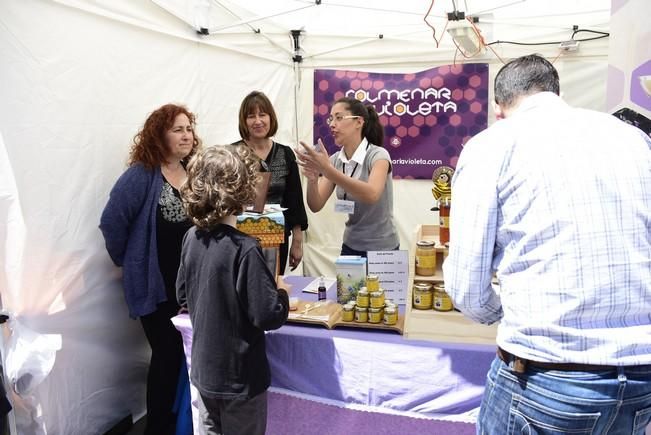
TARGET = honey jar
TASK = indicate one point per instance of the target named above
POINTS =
(425, 258)
(348, 313)
(376, 299)
(422, 296)
(361, 314)
(375, 315)
(362, 298)
(390, 316)
(441, 301)
(372, 283)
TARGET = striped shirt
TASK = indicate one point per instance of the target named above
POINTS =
(556, 202)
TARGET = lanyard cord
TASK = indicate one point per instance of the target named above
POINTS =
(343, 169)
(351, 175)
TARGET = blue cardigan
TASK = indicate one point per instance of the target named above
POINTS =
(128, 224)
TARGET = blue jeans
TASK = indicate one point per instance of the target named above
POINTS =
(540, 401)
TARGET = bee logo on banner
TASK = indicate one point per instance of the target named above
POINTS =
(427, 116)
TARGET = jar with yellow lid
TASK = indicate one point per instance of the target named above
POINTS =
(376, 299)
(372, 283)
(422, 296)
(375, 315)
(361, 314)
(441, 301)
(425, 258)
(390, 316)
(362, 298)
(348, 313)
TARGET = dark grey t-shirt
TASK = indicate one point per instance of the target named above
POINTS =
(371, 226)
(232, 299)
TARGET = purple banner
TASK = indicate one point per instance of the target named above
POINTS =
(427, 116)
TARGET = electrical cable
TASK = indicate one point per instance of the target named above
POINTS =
(482, 41)
(437, 41)
(602, 35)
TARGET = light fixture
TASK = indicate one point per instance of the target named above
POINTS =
(465, 37)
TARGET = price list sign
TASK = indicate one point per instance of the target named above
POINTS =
(392, 267)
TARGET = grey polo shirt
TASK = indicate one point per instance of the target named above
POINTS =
(371, 226)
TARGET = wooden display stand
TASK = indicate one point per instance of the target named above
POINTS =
(449, 326)
(329, 314)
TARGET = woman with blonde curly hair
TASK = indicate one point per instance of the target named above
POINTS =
(230, 294)
(143, 225)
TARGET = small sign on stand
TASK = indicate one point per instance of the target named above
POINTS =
(393, 269)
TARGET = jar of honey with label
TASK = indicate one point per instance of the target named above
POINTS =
(376, 299)
(361, 314)
(372, 283)
(422, 296)
(390, 316)
(375, 315)
(425, 258)
(348, 313)
(362, 297)
(441, 301)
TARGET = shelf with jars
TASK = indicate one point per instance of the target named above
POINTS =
(429, 313)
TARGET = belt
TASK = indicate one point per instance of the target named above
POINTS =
(519, 365)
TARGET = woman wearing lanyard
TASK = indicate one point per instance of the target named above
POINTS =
(361, 174)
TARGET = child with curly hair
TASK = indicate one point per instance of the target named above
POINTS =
(230, 294)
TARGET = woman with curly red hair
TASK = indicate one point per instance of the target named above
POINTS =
(143, 225)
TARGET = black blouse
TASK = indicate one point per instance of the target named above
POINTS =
(285, 185)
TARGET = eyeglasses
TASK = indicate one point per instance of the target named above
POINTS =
(338, 118)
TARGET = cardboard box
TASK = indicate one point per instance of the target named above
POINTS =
(351, 275)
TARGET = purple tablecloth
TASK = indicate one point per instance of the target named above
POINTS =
(374, 369)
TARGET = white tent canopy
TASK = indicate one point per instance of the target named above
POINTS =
(78, 78)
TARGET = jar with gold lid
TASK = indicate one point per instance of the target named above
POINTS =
(361, 314)
(362, 297)
(348, 313)
(376, 299)
(390, 316)
(441, 300)
(372, 283)
(422, 296)
(425, 258)
(375, 315)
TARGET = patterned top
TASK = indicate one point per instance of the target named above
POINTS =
(557, 202)
(170, 204)
(171, 225)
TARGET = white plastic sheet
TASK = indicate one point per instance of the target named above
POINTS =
(29, 360)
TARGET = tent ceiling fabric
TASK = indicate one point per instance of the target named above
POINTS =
(347, 32)
(345, 29)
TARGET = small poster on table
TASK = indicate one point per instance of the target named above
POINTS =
(392, 267)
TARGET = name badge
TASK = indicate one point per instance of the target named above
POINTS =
(344, 206)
